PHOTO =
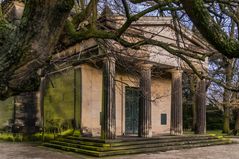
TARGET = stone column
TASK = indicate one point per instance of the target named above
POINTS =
(176, 103)
(108, 116)
(25, 115)
(201, 107)
(145, 121)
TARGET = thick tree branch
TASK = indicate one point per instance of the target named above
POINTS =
(84, 14)
(209, 29)
(34, 40)
(131, 19)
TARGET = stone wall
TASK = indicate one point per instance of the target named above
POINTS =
(59, 101)
(91, 99)
(25, 113)
(6, 114)
(161, 104)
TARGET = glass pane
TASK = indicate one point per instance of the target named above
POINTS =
(131, 110)
(163, 119)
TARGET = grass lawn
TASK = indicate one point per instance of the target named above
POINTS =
(209, 132)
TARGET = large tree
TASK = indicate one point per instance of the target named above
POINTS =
(27, 47)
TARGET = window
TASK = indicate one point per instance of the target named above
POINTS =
(163, 119)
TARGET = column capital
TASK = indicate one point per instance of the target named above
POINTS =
(175, 71)
(109, 58)
(144, 66)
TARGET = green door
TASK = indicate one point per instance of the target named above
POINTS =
(131, 110)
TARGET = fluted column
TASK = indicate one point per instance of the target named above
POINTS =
(108, 120)
(176, 103)
(201, 107)
(145, 121)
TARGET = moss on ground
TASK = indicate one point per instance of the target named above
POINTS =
(216, 133)
(34, 137)
(76, 133)
(11, 137)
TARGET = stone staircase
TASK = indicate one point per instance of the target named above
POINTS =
(132, 145)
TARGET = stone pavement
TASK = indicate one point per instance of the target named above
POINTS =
(213, 152)
(31, 151)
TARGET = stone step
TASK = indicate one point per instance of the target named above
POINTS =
(136, 150)
(88, 143)
(131, 142)
(98, 140)
(133, 146)
(162, 149)
(86, 147)
(72, 149)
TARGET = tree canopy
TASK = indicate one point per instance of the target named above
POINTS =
(50, 24)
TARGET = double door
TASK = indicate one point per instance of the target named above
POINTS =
(131, 110)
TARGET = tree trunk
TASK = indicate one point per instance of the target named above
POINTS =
(201, 18)
(236, 128)
(226, 97)
(31, 45)
(226, 120)
(194, 116)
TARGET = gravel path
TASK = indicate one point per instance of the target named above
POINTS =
(29, 151)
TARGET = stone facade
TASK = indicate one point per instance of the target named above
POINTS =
(92, 100)
(99, 102)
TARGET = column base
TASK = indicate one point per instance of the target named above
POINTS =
(149, 135)
(176, 133)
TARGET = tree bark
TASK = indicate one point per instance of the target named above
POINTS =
(226, 120)
(226, 97)
(32, 44)
(210, 30)
(236, 128)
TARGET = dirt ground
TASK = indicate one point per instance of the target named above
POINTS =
(32, 151)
